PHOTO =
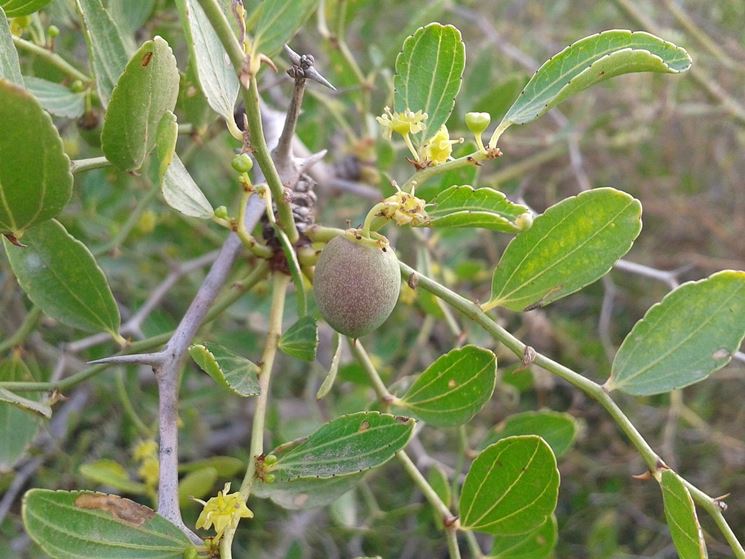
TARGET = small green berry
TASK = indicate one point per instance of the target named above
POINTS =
(478, 122)
(77, 86)
(242, 163)
(270, 459)
(222, 213)
(270, 478)
(53, 31)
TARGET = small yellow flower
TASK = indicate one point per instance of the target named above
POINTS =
(405, 209)
(223, 511)
(147, 448)
(405, 123)
(439, 147)
(149, 471)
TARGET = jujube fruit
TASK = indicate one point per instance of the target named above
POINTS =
(356, 285)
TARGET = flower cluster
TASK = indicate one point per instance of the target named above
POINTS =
(404, 123)
(146, 453)
(439, 147)
(223, 511)
(405, 209)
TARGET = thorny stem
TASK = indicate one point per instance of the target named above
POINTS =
(592, 389)
(52, 58)
(279, 293)
(253, 113)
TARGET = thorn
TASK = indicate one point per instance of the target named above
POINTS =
(643, 476)
(303, 68)
(14, 240)
(307, 162)
(153, 359)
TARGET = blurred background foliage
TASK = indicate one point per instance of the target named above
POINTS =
(671, 142)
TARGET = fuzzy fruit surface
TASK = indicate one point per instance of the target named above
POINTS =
(356, 286)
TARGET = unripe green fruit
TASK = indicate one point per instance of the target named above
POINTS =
(356, 285)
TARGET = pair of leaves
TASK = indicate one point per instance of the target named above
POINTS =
(694, 331)
(429, 72)
(61, 276)
(454, 388)
(512, 487)
(317, 469)
(105, 526)
(464, 206)
(571, 245)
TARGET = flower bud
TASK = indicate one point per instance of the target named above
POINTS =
(53, 31)
(222, 213)
(478, 122)
(242, 163)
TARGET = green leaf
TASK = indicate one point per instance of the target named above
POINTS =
(592, 60)
(278, 23)
(301, 339)
(39, 408)
(464, 206)
(534, 545)
(17, 427)
(511, 488)
(305, 493)
(56, 98)
(69, 524)
(60, 275)
(35, 178)
(556, 428)
(694, 331)
(429, 69)
(112, 474)
(182, 193)
(10, 66)
(229, 370)
(145, 92)
(571, 245)
(17, 8)
(454, 388)
(215, 74)
(165, 143)
(347, 445)
(107, 49)
(226, 466)
(680, 513)
(328, 382)
(196, 485)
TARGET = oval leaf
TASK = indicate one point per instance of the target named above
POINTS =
(182, 193)
(10, 66)
(301, 339)
(680, 513)
(60, 275)
(84, 524)
(347, 445)
(556, 428)
(511, 488)
(112, 474)
(17, 8)
(278, 23)
(215, 74)
(592, 60)
(571, 245)
(145, 92)
(306, 493)
(106, 46)
(35, 178)
(464, 206)
(534, 545)
(454, 388)
(17, 427)
(229, 370)
(429, 70)
(56, 98)
(692, 332)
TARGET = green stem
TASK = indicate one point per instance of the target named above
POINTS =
(28, 324)
(473, 545)
(219, 22)
(385, 397)
(81, 165)
(274, 331)
(128, 408)
(592, 389)
(420, 177)
(52, 58)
